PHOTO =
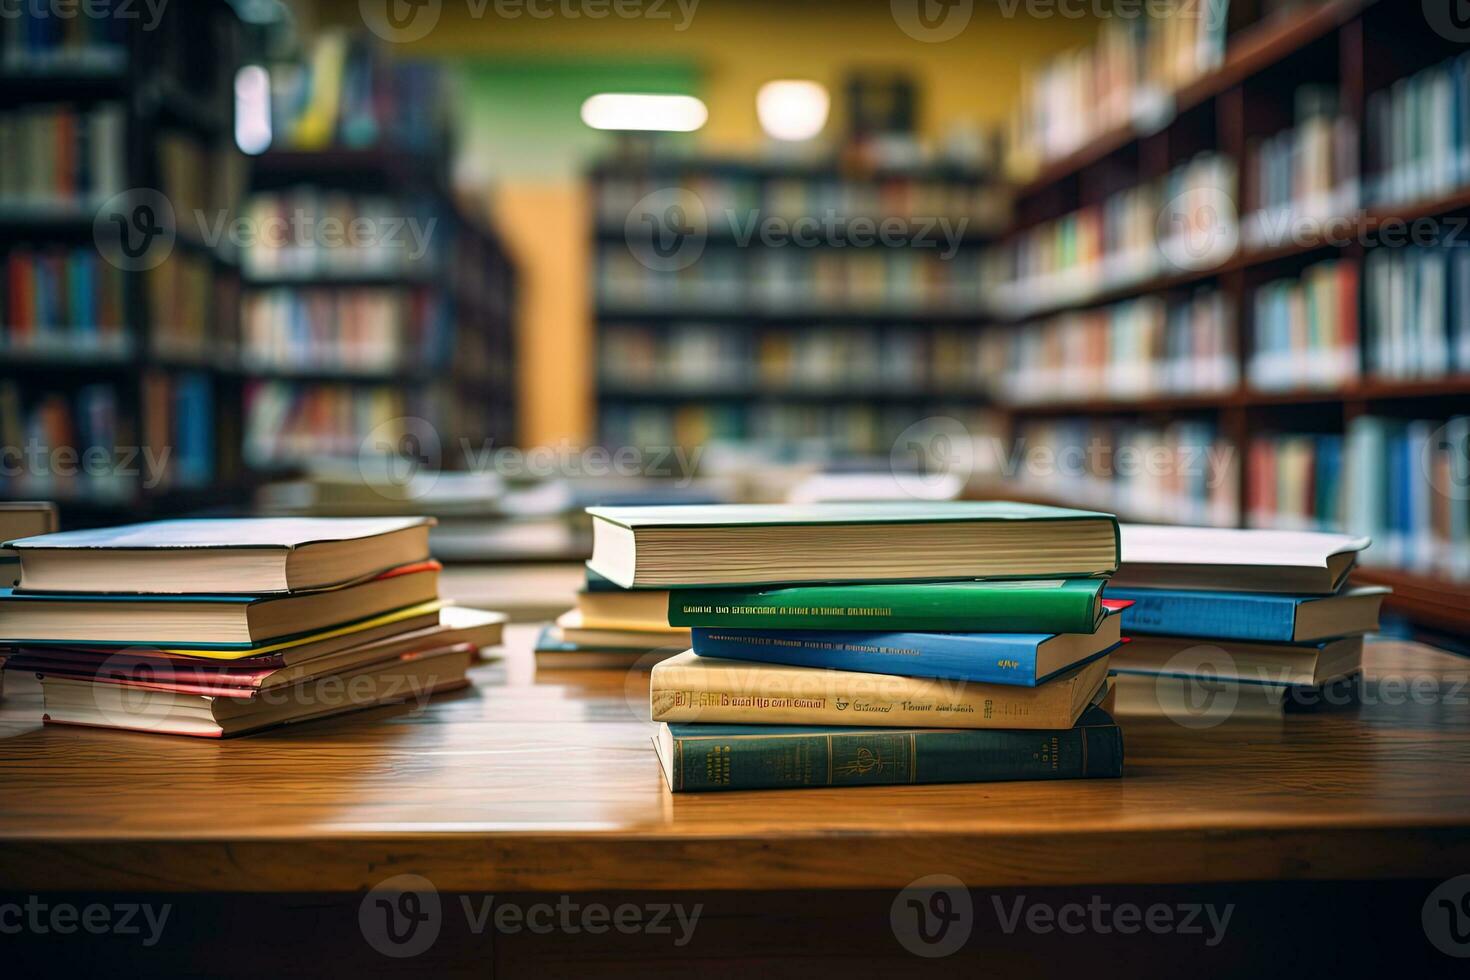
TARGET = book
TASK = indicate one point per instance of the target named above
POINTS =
(411, 677)
(1199, 702)
(206, 621)
(1025, 606)
(723, 757)
(1230, 560)
(754, 544)
(1022, 659)
(575, 629)
(1308, 664)
(21, 519)
(554, 652)
(644, 609)
(1254, 616)
(478, 628)
(691, 688)
(221, 556)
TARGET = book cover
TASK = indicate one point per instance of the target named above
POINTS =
(886, 512)
(730, 757)
(1037, 606)
(1022, 659)
(282, 533)
(1251, 616)
(691, 688)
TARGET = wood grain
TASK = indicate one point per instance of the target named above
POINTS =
(550, 783)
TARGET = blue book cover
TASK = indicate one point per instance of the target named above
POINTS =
(1017, 659)
(1250, 616)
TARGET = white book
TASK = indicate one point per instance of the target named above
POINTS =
(1308, 563)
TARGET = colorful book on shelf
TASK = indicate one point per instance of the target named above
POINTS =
(691, 688)
(1230, 560)
(1021, 659)
(221, 556)
(103, 704)
(208, 622)
(1023, 606)
(1278, 664)
(1250, 616)
(665, 547)
(733, 757)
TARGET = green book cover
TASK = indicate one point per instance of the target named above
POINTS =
(731, 757)
(1026, 606)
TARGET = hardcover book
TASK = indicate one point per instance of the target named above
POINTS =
(1278, 664)
(691, 688)
(724, 757)
(1232, 560)
(252, 556)
(1022, 659)
(758, 544)
(1027, 606)
(1251, 616)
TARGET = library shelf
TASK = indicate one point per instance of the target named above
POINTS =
(1373, 390)
(655, 315)
(623, 391)
(1251, 51)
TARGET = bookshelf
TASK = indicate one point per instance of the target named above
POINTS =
(1354, 373)
(377, 306)
(781, 341)
(92, 371)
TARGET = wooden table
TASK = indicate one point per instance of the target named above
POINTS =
(549, 784)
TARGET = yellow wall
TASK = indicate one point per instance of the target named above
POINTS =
(737, 45)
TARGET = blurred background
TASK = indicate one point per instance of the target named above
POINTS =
(1196, 261)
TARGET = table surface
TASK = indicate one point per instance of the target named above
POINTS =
(550, 782)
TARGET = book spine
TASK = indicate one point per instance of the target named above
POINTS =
(1005, 611)
(878, 758)
(1233, 617)
(993, 658)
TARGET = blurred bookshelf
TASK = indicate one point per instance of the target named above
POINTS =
(344, 344)
(95, 361)
(1296, 327)
(782, 344)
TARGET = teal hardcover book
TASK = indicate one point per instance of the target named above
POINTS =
(732, 757)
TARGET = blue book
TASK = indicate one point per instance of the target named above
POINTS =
(1018, 659)
(1251, 616)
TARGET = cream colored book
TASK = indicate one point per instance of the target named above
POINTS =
(1276, 664)
(690, 688)
(638, 609)
(576, 629)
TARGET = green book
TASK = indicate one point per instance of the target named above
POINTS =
(1026, 606)
(719, 757)
(895, 541)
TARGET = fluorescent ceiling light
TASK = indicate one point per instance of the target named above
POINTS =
(791, 109)
(661, 113)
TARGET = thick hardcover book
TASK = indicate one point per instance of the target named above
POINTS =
(1022, 659)
(1234, 560)
(1253, 616)
(1037, 606)
(770, 544)
(714, 757)
(691, 688)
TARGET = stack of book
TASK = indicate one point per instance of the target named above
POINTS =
(220, 627)
(611, 626)
(1227, 622)
(21, 519)
(875, 618)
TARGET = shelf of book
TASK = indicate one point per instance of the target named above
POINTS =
(1347, 320)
